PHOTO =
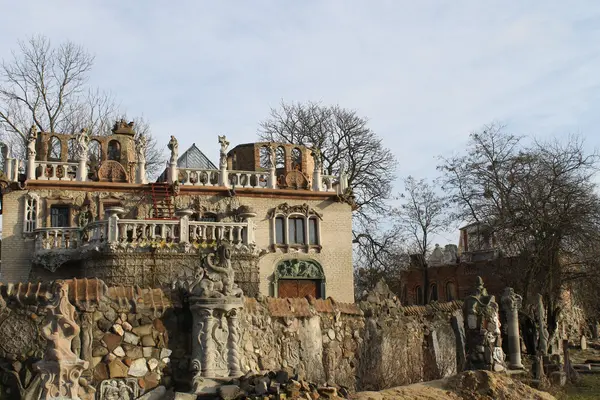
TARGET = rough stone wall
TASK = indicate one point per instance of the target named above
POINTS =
(145, 335)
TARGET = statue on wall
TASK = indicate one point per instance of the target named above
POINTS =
(141, 145)
(317, 158)
(83, 140)
(60, 368)
(174, 147)
(223, 153)
(482, 328)
(542, 326)
(31, 141)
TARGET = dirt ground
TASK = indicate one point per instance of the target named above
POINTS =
(468, 385)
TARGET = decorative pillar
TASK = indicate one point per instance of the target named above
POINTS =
(272, 172)
(31, 152)
(184, 224)
(82, 171)
(16, 170)
(112, 214)
(174, 147)
(233, 357)
(83, 141)
(512, 302)
(141, 145)
(141, 173)
(206, 342)
(31, 167)
(317, 178)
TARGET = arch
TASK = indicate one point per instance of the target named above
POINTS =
(114, 150)
(418, 295)
(264, 157)
(95, 151)
(297, 270)
(280, 157)
(451, 292)
(433, 292)
(72, 150)
(296, 159)
(54, 149)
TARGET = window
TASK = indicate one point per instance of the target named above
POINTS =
(265, 157)
(433, 292)
(95, 151)
(72, 150)
(296, 159)
(296, 230)
(279, 230)
(59, 216)
(418, 295)
(114, 150)
(31, 213)
(313, 235)
(280, 158)
(451, 291)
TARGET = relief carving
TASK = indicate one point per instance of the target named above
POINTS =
(112, 171)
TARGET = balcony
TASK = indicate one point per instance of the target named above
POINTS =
(115, 234)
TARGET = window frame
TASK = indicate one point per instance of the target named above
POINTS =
(32, 213)
(67, 216)
(287, 243)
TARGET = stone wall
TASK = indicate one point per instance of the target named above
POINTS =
(143, 338)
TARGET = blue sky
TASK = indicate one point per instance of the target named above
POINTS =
(426, 73)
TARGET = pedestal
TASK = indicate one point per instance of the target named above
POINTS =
(317, 181)
(31, 168)
(224, 177)
(60, 379)
(82, 171)
(173, 175)
(141, 173)
(272, 179)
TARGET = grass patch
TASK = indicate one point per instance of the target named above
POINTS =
(586, 389)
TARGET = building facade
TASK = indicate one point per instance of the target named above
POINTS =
(82, 207)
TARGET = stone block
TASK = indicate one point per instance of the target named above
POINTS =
(558, 378)
(117, 369)
(143, 330)
(138, 368)
(131, 338)
(111, 341)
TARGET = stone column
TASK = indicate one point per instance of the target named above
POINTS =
(112, 214)
(224, 177)
(512, 302)
(173, 173)
(317, 181)
(31, 167)
(233, 356)
(141, 173)
(8, 168)
(82, 169)
(205, 340)
(184, 224)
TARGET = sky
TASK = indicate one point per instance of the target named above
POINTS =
(425, 73)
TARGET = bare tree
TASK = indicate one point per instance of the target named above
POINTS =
(47, 86)
(345, 141)
(539, 201)
(423, 214)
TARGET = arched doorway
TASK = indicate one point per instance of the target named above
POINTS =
(299, 278)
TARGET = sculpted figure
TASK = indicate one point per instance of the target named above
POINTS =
(224, 269)
(316, 155)
(83, 140)
(174, 147)
(31, 140)
(61, 327)
(141, 144)
(223, 153)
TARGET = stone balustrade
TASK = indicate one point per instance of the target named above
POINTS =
(57, 238)
(248, 179)
(234, 232)
(198, 177)
(328, 183)
(55, 171)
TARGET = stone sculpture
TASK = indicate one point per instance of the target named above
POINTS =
(174, 147)
(141, 145)
(31, 141)
(317, 158)
(214, 299)
(482, 327)
(60, 368)
(512, 302)
(223, 153)
(83, 140)
(119, 389)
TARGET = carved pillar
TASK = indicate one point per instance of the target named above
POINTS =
(224, 177)
(87, 325)
(512, 303)
(141, 173)
(173, 174)
(317, 181)
(31, 166)
(206, 341)
(272, 173)
(233, 357)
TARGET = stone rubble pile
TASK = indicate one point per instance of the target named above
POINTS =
(278, 385)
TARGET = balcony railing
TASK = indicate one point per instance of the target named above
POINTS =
(138, 233)
(56, 171)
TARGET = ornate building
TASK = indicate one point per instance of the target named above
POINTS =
(81, 206)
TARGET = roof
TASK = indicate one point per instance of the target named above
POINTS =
(194, 158)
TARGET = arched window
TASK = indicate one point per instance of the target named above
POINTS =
(418, 295)
(94, 151)
(31, 213)
(114, 150)
(72, 150)
(279, 230)
(433, 292)
(280, 157)
(451, 291)
(55, 149)
(299, 278)
(265, 157)
(296, 230)
(296, 159)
